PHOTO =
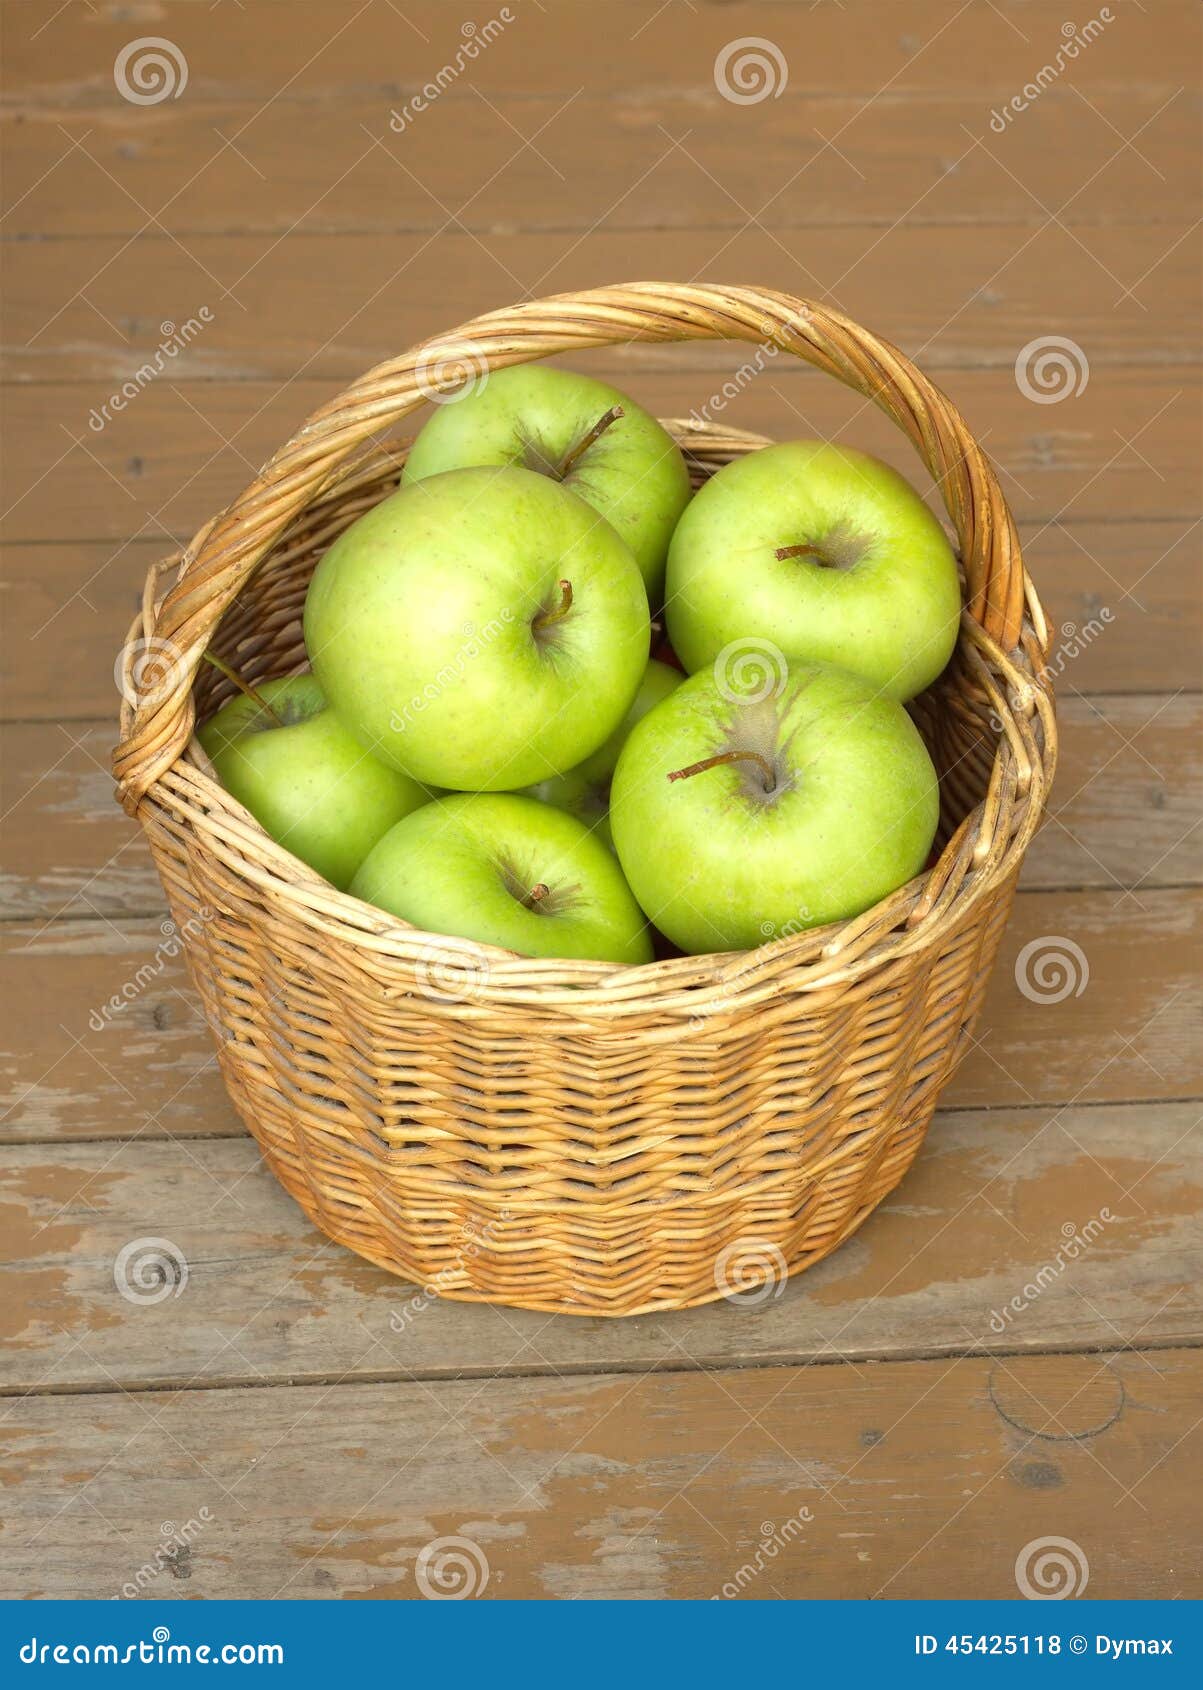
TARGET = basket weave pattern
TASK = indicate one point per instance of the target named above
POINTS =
(575, 1136)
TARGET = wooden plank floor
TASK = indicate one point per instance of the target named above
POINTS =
(1008, 1350)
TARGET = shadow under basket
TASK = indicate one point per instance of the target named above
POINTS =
(575, 1136)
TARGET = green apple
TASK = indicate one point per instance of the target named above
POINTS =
(481, 630)
(506, 871)
(306, 780)
(828, 553)
(588, 437)
(744, 816)
(585, 791)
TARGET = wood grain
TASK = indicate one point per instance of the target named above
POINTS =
(96, 310)
(68, 849)
(947, 1265)
(1125, 1029)
(1126, 809)
(1125, 448)
(916, 1476)
(330, 50)
(104, 1035)
(1124, 813)
(667, 159)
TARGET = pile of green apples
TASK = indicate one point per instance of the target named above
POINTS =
(489, 746)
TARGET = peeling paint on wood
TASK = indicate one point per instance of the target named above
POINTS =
(676, 1486)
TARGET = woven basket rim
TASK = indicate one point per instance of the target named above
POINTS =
(463, 977)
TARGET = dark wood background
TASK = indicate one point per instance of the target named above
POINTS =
(284, 1401)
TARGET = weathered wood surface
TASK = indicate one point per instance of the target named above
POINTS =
(1125, 810)
(915, 1477)
(103, 1034)
(329, 49)
(221, 166)
(993, 292)
(1016, 1230)
(179, 454)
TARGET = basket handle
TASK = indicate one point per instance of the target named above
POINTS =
(156, 721)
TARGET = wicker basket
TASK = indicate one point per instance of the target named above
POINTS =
(575, 1136)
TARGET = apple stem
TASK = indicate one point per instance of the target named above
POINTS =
(569, 460)
(804, 550)
(545, 618)
(536, 895)
(244, 687)
(762, 763)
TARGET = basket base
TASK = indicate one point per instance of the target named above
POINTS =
(763, 1250)
(752, 1295)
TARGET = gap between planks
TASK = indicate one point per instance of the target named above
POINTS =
(268, 231)
(586, 1370)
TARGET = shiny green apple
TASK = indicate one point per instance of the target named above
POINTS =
(829, 554)
(745, 816)
(585, 791)
(544, 420)
(509, 871)
(480, 629)
(306, 780)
